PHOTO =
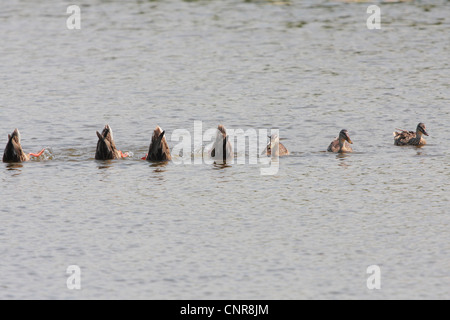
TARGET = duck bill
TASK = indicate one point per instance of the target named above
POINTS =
(349, 140)
(426, 133)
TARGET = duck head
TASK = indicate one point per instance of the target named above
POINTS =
(344, 136)
(422, 129)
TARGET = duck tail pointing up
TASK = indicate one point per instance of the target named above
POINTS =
(399, 132)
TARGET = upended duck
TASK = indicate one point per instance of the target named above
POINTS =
(342, 143)
(222, 150)
(106, 147)
(14, 152)
(159, 148)
(411, 138)
(275, 147)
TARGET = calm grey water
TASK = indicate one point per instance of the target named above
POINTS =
(145, 231)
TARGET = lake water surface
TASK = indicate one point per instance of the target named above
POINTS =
(182, 231)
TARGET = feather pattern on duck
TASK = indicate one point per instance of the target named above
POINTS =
(411, 138)
(222, 150)
(14, 152)
(106, 147)
(159, 149)
(342, 143)
(277, 146)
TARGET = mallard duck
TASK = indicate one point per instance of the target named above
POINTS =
(277, 146)
(411, 138)
(222, 149)
(14, 152)
(342, 143)
(106, 147)
(159, 149)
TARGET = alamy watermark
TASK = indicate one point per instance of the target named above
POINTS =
(74, 280)
(73, 22)
(244, 147)
(374, 280)
(374, 20)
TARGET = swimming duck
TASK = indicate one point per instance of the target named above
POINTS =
(14, 152)
(411, 138)
(222, 149)
(159, 149)
(106, 147)
(342, 143)
(275, 144)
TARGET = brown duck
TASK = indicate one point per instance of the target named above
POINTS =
(342, 143)
(14, 152)
(276, 146)
(411, 138)
(106, 147)
(159, 149)
(222, 149)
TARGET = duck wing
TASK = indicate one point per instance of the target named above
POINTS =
(334, 146)
(283, 150)
(403, 137)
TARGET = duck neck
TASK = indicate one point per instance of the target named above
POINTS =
(341, 144)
